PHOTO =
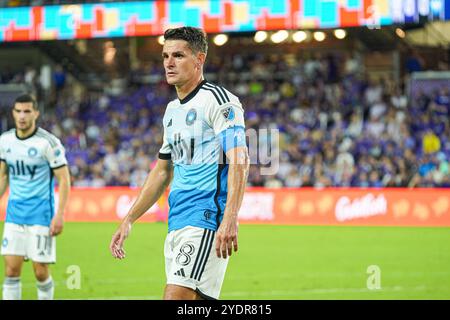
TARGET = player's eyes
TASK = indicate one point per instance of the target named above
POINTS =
(176, 55)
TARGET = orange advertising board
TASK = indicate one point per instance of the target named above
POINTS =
(305, 206)
(103, 205)
(349, 206)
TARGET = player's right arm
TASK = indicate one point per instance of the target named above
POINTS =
(155, 184)
(3, 177)
(4, 181)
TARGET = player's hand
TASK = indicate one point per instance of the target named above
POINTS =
(227, 237)
(116, 245)
(57, 225)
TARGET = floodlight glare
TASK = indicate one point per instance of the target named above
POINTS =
(279, 36)
(299, 36)
(220, 39)
(340, 33)
(319, 36)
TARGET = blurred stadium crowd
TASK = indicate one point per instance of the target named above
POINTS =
(337, 127)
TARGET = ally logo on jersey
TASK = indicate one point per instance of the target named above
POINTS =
(20, 168)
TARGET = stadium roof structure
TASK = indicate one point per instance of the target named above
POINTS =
(433, 34)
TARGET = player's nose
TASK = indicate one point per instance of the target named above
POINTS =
(170, 62)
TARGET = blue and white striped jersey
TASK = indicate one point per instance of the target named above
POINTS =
(197, 131)
(30, 163)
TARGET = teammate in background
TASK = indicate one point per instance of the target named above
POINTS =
(30, 158)
(205, 122)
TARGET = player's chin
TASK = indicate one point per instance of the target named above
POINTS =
(171, 80)
(21, 126)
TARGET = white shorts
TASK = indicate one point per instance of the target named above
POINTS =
(191, 261)
(32, 242)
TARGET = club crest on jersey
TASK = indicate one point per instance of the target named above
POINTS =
(5, 242)
(32, 152)
(228, 113)
(191, 117)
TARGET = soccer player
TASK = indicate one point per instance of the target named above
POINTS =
(30, 158)
(205, 122)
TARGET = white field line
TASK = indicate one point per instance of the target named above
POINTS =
(279, 293)
(116, 281)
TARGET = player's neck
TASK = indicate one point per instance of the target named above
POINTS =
(23, 134)
(184, 90)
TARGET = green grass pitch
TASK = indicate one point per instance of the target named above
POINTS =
(273, 262)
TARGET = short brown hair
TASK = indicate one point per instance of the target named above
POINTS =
(195, 37)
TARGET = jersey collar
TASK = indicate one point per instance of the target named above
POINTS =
(29, 136)
(192, 93)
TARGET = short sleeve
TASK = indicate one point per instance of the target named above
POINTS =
(226, 116)
(165, 151)
(56, 155)
(228, 124)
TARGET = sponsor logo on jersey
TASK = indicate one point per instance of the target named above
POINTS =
(57, 153)
(5, 242)
(21, 169)
(170, 123)
(228, 113)
(181, 148)
(32, 152)
(191, 117)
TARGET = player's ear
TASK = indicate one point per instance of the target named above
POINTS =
(201, 57)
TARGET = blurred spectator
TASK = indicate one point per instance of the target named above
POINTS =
(430, 142)
(414, 63)
(59, 76)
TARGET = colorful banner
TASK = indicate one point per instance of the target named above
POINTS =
(350, 206)
(103, 205)
(308, 206)
(125, 19)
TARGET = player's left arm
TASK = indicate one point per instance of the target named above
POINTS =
(227, 234)
(56, 158)
(63, 176)
(4, 181)
(228, 122)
